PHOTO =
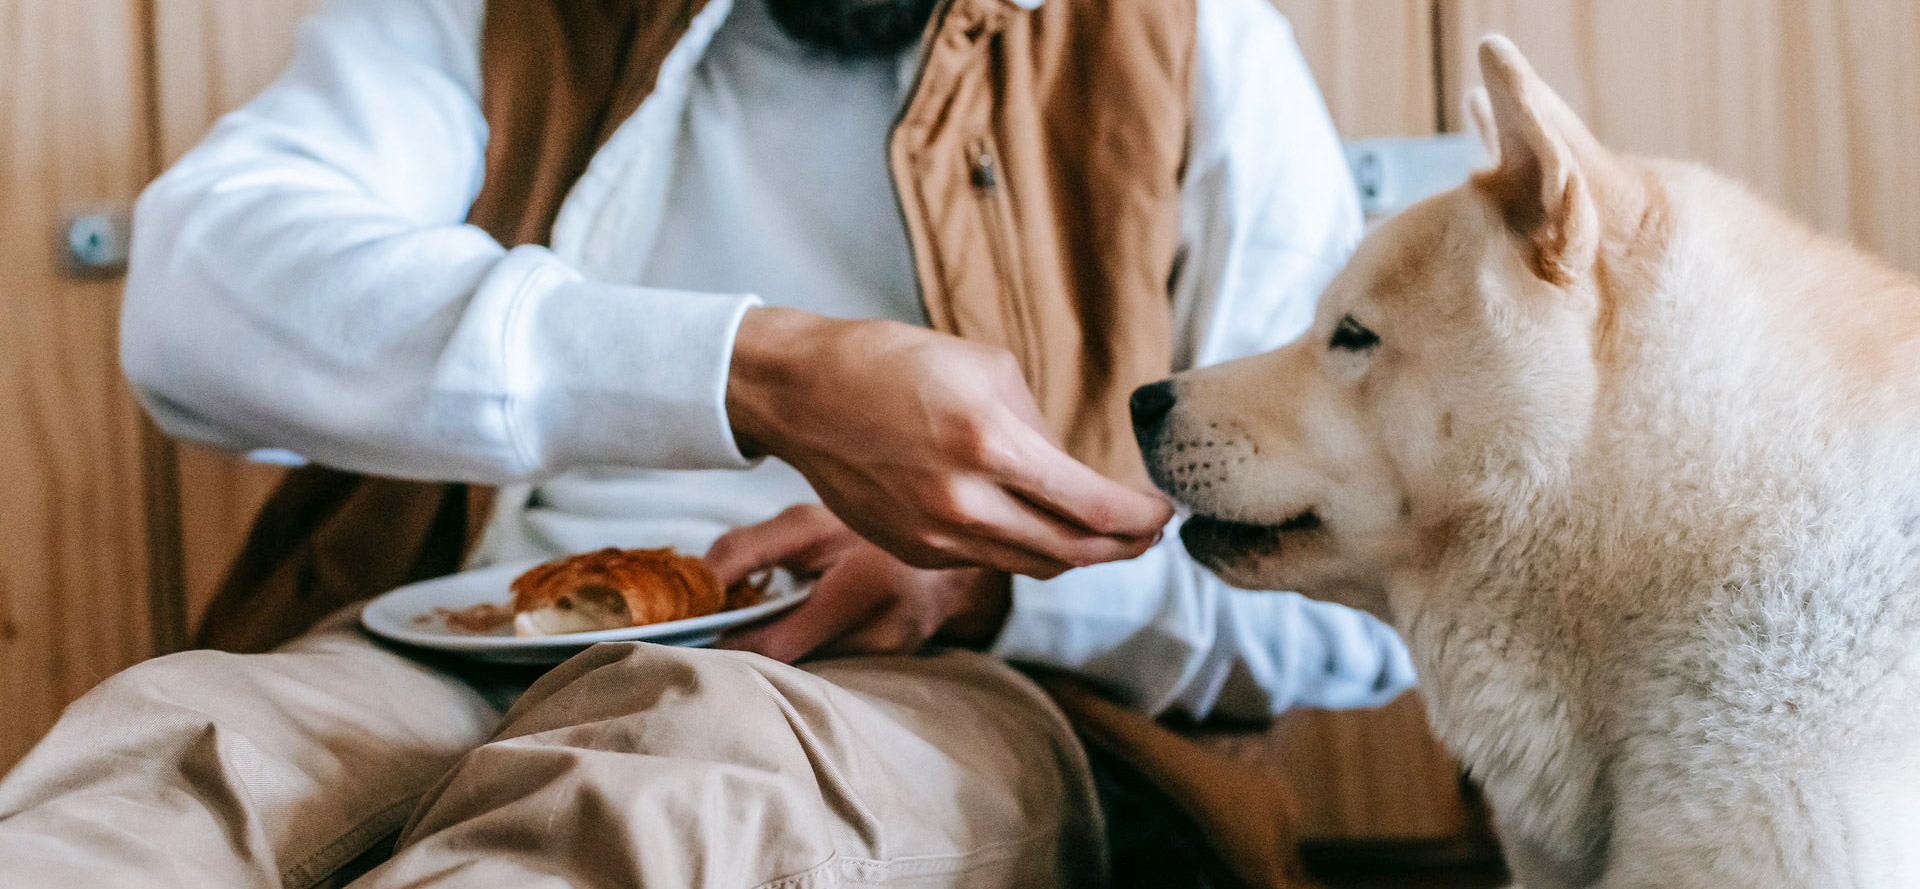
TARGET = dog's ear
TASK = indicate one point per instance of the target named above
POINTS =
(1479, 110)
(1539, 181)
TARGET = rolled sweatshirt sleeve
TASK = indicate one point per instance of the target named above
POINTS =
(1269, 215)
(303, 280)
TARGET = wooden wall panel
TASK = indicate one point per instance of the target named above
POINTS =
(211, 57)
(1373, 60)
(1361, 774)
(1810, 101)
(74, 576)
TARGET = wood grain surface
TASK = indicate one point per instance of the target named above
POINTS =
(1363, 775)
(211, 56)
(1815, 103)
(1373, 60)
(74, 577)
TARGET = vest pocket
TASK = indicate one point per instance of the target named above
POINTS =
(985, 175)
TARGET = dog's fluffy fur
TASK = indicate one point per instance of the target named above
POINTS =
(1632, 461)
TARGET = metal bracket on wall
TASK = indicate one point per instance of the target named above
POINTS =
(1393, 174)
(94, 242)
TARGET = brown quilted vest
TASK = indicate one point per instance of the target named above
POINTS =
(1038, 166)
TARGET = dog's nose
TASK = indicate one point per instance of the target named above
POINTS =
(1150, 404)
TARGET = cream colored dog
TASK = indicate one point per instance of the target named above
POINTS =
(1633, 463)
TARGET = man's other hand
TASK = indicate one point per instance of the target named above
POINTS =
(928, 445)
(864, 601)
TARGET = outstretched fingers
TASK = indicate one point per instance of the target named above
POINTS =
(1084, 499)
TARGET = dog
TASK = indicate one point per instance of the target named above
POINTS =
(1632, 462)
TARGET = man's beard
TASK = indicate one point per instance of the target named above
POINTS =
(854, 29)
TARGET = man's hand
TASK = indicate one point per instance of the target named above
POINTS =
(864, 601)
(927, 445)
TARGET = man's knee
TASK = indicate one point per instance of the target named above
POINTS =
(665, 700)
(302, 715)
(155, 705)
(766, 770)
(141, 724)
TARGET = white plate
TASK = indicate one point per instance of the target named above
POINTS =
(407, 615)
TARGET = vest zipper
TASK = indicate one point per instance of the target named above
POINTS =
(983, 172)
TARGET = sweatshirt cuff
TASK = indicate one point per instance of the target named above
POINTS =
(613, 375)
(1033, 633)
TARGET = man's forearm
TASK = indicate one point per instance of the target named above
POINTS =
(304, 280)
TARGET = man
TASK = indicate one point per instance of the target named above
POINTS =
(773, 199)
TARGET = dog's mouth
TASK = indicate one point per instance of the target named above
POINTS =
(1223, 535)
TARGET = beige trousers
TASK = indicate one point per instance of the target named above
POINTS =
(630, 765)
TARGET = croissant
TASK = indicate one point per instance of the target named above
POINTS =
(613, 588)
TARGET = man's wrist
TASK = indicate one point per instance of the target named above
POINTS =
(760, 367)
(988, 600)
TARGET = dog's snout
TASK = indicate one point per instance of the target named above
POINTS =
(1150, 405)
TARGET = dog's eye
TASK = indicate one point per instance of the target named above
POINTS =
(1349, 335)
